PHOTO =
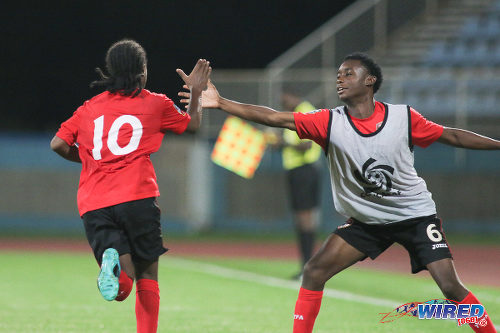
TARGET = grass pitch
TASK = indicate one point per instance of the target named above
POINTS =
(56, 292)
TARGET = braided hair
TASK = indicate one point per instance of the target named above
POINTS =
(125, 63)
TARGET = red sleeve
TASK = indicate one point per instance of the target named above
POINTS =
(423, 131)
(173, 118)
(69, 129)
(313, 125)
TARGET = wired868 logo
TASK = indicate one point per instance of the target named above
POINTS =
(440, 309)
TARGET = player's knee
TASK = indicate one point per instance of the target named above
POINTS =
(315, 272)
(453, 290)
(146, 270)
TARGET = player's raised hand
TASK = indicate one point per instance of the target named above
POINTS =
(209, 99)
(198, 77)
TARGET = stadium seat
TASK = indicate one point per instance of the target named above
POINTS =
(437, 54)
(495, 53)
(495, 8)
(433, 90)
(472, 28)
(492, 26)
(483, 97)
(430, 96)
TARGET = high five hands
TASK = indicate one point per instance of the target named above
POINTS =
(199, 76)
(210, 97)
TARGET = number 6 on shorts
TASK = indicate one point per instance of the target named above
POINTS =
(433, 233)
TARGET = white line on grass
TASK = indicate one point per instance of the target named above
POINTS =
(234, 274)
(229, 273)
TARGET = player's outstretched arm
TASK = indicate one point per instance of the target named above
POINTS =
(465, 139)
(63, 149)
(196, 82)
(260, 114)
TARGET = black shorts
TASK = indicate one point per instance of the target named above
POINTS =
(422, 237)
(304, 187)
(130, 227)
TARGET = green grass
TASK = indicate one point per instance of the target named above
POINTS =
(285, 236)
(56, 292)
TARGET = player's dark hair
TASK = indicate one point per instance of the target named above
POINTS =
(371, 66)
(125, 61)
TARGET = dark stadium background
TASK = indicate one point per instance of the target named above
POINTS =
(50, 48)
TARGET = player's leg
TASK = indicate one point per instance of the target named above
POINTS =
(146, 270)
(109, 244)
(306, 223)
(444, 273)
(147, 296)
(141, 220)
(126, 278)
(426, 243)
(350, 243)
(334, 256)
(304, 186)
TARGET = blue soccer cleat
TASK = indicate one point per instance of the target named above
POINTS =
(107, 281)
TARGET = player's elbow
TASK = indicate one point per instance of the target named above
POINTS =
(57, 144)
(193, 126)
(53, 144)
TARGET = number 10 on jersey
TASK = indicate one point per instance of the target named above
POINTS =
(112, 141)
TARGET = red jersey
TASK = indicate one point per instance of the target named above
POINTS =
(115, 136)
(314, 126)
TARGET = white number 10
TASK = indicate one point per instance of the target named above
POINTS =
(113, 136)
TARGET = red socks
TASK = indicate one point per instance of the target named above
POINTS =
(306, 310)
(126, 284)
(488, 328)
(147, 305)
(309, 303)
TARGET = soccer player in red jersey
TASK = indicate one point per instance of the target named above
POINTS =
(113, 135)
(369, 148)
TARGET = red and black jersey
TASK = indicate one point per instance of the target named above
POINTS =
(115, 136)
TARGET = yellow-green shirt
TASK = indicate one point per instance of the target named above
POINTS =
(293, 158)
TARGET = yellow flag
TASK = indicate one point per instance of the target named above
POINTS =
(239, 147)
